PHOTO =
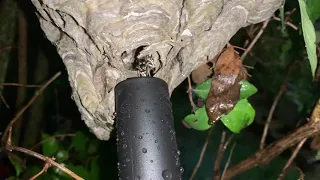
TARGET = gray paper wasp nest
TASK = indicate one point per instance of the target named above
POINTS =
(99, 42)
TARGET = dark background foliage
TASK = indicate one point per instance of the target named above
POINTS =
(55, 113)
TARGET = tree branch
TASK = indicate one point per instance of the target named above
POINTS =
(204, 148)
(228, 162)
(35, 96)
(219, 155)
(20, 85)
(288, 164)
(264, 25)
(264, 156)
(274, 105)
(43, 158)
(287, 23)
(44, 169)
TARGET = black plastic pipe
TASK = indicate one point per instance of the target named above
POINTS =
(147, 147)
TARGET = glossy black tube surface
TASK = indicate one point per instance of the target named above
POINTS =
(147, 147)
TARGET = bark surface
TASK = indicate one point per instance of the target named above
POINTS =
(100, 40)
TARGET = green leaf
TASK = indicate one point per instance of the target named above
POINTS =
(202, 90)
(17, 163)
(313, 7)
(199, 120)
(93, 147)
(309, 36)
(60, 173)
(80, 171)
(77, 169)
(95, 169)
(57, 170)
(317, 36)
(285, 48)
(247, 90)
(49, 146)
(54, 177)
(62, 155)
(79, 141)
(33, 170)
(240, 117)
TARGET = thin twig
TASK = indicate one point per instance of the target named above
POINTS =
(224, 148)
(241, 48)
(7, 48)
(43, 158)
(204, 148)
(228, 162)
(287, 23)
(35, 96)
(54, 136)
(274, 105)
(228, 141)
(267, 154)
(44, 169)
(9, 136)
(249, 67)
(300, 172)
(251, 31)
(289, 162)
(246, 43)
(264, 25)
(20, 85)
(4, 101)
(219, 155)
(190, 95)
(290, 14)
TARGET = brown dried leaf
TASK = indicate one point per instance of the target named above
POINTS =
(225, 84)
(315, 143)
(315, 116)
(201, 74)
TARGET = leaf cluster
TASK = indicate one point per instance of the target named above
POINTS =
(240, 117)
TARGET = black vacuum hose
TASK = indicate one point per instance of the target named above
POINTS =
(147, 147)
